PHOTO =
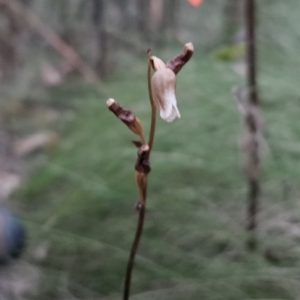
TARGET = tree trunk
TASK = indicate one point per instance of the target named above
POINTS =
(251, 49)
(254, 186)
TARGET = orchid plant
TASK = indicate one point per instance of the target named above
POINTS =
(161, 89)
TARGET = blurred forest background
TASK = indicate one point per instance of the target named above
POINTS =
(66, 164)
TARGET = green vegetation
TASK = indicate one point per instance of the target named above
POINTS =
(227, 53)
(193, 246)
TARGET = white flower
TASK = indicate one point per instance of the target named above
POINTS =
(163, 89)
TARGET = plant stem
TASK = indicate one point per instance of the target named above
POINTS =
(142, 139)
(133, 251)
(142, 192)
(153, 107)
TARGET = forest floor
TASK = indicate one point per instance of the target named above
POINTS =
(78, 207)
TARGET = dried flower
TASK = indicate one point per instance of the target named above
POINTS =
(163, 88)
(127, 117)
(176, 63)
(164, 82)
(142, 164)
(142, 168)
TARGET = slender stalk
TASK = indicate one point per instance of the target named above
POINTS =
(253, 195)
(153, 107)
(142, 193)
(253, 184)
(142, 139)
(133, 251)
(250, 19)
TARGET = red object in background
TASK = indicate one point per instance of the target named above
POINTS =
(195, 2)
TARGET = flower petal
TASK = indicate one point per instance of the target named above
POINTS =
(162, 81)
(174, 110)
(172, 116)
(157, 63)
(163, 89)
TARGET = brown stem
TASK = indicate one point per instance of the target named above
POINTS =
(143, 141)
(254, 189)
(253, 196)
(251, 50)
(134, 246)
(142, 192)
(153, 107)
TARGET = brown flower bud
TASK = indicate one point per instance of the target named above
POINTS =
(142, 164)
(127, 117)
(176, 63)
(142, 168)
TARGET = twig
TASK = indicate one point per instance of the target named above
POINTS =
(253, 195)
(254, 190)
(251, 50)
(250, 147)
